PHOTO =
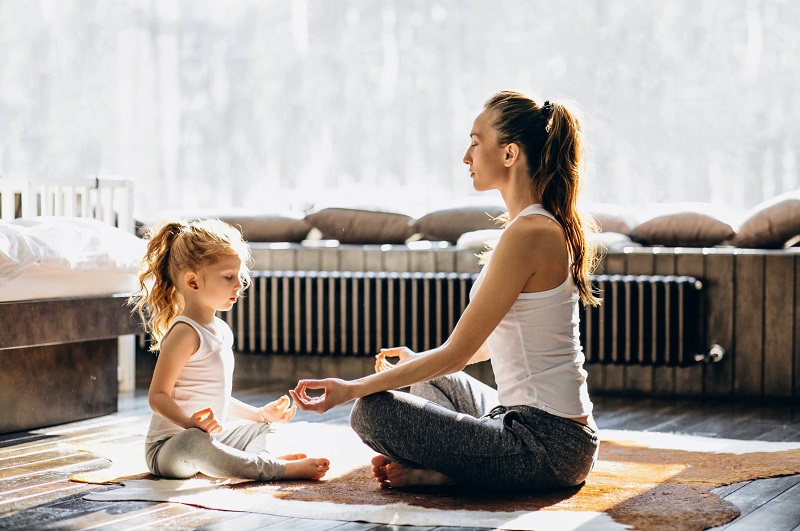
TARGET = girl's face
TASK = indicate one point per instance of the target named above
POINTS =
(484, 156)
(220, 285)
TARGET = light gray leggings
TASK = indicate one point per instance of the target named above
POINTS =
(455, 426)
(238, 452)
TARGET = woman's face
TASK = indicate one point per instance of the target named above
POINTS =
(484, 156)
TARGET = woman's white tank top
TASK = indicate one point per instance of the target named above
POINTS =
(205, 381)
(537, 356)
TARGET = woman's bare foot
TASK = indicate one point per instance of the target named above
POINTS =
(304, 467)
(393, 475)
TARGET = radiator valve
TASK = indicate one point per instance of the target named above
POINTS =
(715, 353)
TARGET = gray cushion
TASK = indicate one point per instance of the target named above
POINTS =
(771, 224)
(683, 229)
(364, 226)
(450, 223)
(270, 228)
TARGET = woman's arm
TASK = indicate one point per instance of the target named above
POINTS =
(176, 349)
(513, 262)
(482, 354)
(404, 354)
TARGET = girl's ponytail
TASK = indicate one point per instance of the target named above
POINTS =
(158, 300)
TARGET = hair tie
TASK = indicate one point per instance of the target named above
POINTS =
(548, 109)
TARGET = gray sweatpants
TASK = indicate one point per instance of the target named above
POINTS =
(454, 425)
(238, 452)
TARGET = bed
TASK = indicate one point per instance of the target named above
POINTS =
(68, 257)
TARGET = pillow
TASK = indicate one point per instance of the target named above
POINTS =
(255, 227)
(450, 223)
(270, 228)
(683, 229)
(355, 225)
(68, 243)
(611, 218)
(771, 224)
(478, 240)
(611, 241)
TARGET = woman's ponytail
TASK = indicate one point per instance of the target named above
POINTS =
(558, 183)
(550, 136)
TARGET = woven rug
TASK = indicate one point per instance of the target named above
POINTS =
(643, 480)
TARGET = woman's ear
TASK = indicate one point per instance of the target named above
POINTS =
(511, 154)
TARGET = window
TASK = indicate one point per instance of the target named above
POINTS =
(265, 105)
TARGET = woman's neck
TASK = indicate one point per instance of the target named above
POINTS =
(518, 200)
(517, 193)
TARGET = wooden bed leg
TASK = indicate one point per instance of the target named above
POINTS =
(126, 372)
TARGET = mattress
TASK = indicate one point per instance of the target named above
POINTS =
(61, 257)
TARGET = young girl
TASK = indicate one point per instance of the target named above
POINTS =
(190, 272)
(536, 430)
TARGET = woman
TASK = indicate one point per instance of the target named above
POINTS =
(536, 431)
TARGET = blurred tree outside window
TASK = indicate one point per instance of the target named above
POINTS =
(271, 105)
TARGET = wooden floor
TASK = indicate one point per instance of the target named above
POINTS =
(35, 492)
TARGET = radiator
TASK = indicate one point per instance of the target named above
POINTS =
(649, 320)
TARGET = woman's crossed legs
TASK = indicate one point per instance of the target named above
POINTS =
(438, 434)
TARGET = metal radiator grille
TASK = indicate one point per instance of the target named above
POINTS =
(655, 320)
(647, 320)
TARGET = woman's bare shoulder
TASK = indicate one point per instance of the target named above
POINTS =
(534, 230)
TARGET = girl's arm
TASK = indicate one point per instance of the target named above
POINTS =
(514, 261)
(279, 410)
(240, 410)
(176, 349)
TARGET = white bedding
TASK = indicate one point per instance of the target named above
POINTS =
(54, 257)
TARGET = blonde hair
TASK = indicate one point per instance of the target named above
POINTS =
(550, 136)
(176, 247)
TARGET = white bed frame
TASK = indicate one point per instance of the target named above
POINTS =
(106, 198)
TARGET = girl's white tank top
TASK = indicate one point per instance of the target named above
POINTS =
(205, 381)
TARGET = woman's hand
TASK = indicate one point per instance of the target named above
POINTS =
(206, 421)
(279, 410)
(335, 392)
(404, 353)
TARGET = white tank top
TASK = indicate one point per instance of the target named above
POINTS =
(205, 380)
(537, 356)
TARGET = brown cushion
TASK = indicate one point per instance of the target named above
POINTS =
(683, 229)
(612, 217)
(270, 228)
(364, 226)
(450, 223)
(771, 224)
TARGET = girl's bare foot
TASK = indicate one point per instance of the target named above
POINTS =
(292, 457)
(305, 467)
(390, 474)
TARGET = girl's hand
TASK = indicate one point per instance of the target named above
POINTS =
(278, 411)
(404, 353)
(206, 421)
(335, 392)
